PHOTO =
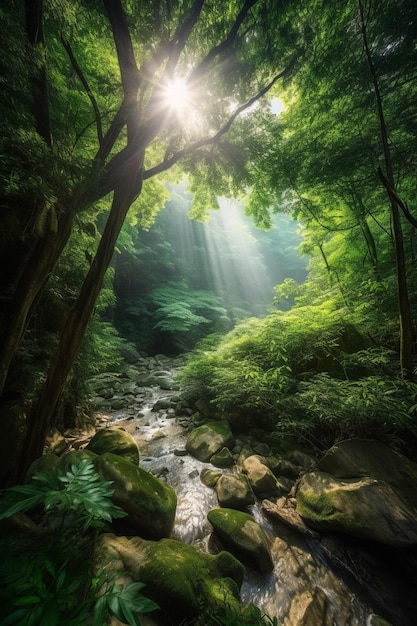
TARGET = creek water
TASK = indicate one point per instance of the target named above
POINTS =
(302, 575)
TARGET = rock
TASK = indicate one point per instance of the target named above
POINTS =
(208, 439)
(179, 578)
(45, 463)
(117, 403)
(301, 459)
(364, 489)
(56, 442)
(149, 503)
(284, 511)
(261, 478)
(243, 537)
(234, 491)
(161, 404)
(222, 458)
(116, 441)
(166, 383)
(209, 477)
(311, 608)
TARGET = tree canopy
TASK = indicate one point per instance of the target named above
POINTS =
(91, 134)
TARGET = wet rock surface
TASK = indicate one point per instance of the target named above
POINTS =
(318, 576)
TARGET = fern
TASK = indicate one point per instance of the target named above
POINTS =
(78, 489)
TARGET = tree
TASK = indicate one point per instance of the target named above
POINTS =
(349, 126)
(104, 136)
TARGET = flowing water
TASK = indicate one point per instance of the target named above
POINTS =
(301, 569)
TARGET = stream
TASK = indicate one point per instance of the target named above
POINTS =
(305, 587)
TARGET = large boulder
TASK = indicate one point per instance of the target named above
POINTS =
(241, 534)
(178, 577)
(362, 488)
(150, 504)
(234, 491)
(116, 441)
(208, 439)
(261, 478)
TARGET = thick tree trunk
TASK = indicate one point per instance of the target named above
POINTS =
(31, 283)
(40, 103)
(41, 416)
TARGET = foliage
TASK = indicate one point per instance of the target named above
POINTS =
(307, 373)
(45, 581)
(77, 490)
(124, 602)
(226, 615)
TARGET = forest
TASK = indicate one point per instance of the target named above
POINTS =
(228, 187)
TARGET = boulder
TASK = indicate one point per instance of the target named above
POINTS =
(116, 441)
(241, 534)
(208, 439)
(362, 488)
(178, 577)
(209, 477)
(222, 458)
(262, 480)
(150, 504)
(234, 491)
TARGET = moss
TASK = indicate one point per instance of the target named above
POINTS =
(315, 507)
(149, 503)
(115, 441)
(178, 577)
(244, 537)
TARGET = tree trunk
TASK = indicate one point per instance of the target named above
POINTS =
(405, 318)
(31, 283)
(41, 415)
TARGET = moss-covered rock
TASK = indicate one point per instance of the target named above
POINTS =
(234, 491)
(149, 503)
(208, 439)
(45, 463)
(364, 489)
(222, 458)
(178, 577)
(243, 536)
(261, 478)
(116, 441)
(209, 477)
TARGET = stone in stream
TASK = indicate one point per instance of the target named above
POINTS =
(208, 439)
(362, 488)
(116, 441)
(261, 478)
(222, 458)
(149, 503)
(182, 580)
(241, 534)
(234, 491)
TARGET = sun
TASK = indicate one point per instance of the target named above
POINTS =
(176, 94)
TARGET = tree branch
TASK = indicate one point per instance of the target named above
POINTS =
(129, 72)
(84, 82)
(166, 164)
(395, 198)
(216, 51)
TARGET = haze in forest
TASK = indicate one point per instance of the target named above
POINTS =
(183, 278)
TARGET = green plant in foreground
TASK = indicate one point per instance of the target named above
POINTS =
(78, 489)
(44, 582)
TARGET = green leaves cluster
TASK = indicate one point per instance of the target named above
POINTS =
(78, 490)
(308, 372)
(46, 580)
